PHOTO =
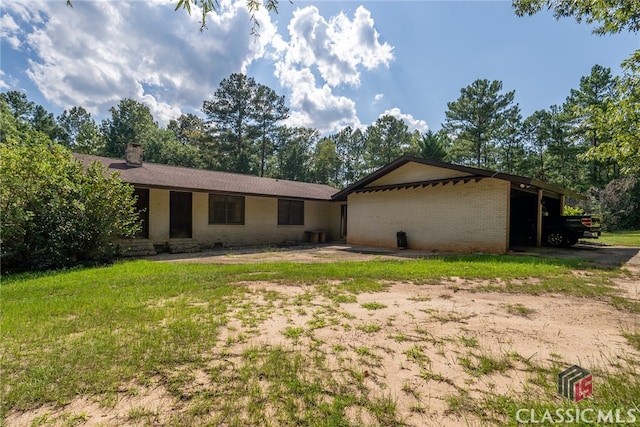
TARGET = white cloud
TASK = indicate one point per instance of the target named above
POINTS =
(334, 50)
(411, 122)
(339, 47)
(3, 85)
(10, 31)
(315, 106)
(100, 52)
(378, 97)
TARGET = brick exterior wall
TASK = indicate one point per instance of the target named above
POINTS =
(471, 217)
(260, 225)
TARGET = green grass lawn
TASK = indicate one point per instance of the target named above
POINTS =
(621, 238)
(101, 331)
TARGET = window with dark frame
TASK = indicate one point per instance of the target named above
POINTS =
(290, 212)
(226, 209)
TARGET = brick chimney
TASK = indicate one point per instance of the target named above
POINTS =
(133, 155)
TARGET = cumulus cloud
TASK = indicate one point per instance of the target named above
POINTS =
(336, 50)
(412, 123)
(100, 52)
(3, 85)
(10, 31)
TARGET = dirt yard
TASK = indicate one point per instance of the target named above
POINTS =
(425, 331)
(418, 344)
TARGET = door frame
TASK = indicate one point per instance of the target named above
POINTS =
(180, 215)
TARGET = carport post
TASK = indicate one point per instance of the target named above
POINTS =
(539, 220)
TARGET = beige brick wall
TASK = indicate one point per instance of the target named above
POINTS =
(471, 217)
(414, 172)
(158, 215)
(260, 227)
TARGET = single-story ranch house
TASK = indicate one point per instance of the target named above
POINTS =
(430, 205)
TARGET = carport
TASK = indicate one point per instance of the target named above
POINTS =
(534, 205)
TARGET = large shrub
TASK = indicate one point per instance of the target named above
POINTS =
(54, 213)
(620, 201)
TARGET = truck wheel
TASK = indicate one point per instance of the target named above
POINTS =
(557, 239)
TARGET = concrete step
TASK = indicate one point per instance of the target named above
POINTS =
(136, 247)
(179, 246)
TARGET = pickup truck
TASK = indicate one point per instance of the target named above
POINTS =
(565, 231)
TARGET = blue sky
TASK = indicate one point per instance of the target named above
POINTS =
(337, 63)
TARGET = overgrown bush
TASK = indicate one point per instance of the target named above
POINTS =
(620, 201)
(54, 213)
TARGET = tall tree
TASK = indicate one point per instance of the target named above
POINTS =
(589, 106)
(80, 131)
(351, 146)
(325, 164)
(562, 152)
(479, 118)
(538, 133)
(231, 114)
(163, 147)
(510, 147)
(387, 139)
(130, 121)
(189, 129)
(293, 153)
(622, 119)
(613, 16)
(269, 110)
(19, 106)
(433, 145)
(45, 122)
(31, 115)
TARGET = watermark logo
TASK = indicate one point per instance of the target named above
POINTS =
(575, 383)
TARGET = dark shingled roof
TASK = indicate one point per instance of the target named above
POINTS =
(180, 178)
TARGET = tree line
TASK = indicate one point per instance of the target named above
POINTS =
(241, 130)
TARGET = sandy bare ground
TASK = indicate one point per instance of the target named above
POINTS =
(412, 346)
(604, 256)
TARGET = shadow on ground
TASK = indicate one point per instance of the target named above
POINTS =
(596, 255)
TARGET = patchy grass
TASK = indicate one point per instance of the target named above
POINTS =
(617, 388)
(194, 329)
(369, 328)
(293, 333)
(519, 310)
(633, 338)
(470, 342)
(621, 238)
(484, 363)
(373, 306)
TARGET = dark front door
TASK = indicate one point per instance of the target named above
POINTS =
(343, 221)
(142, 206)
(180, 215)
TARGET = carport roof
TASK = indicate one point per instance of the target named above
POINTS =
(189, 179)
(519, 182)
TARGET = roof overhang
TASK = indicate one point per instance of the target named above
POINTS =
(421, 184)
(517, 182)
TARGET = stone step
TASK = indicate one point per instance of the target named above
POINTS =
(136, 247)
(178, 246)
